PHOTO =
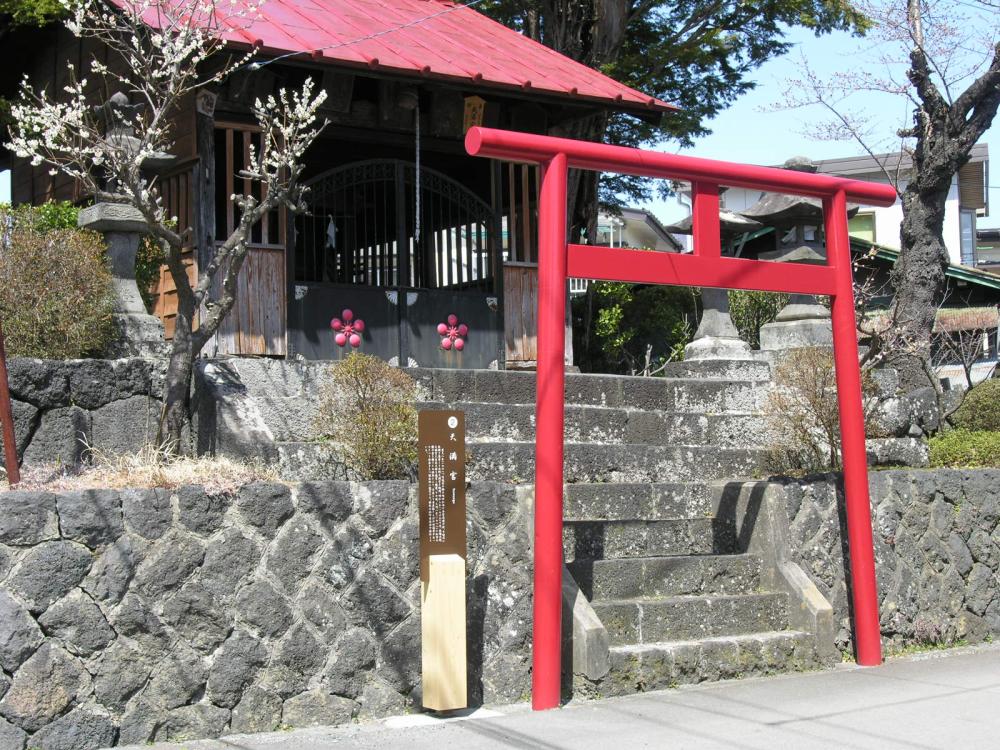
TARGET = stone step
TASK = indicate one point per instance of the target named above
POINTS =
(606, 540)
(598, 424)
(691, 618)
(665, 394)
(638, 500)
(719, 369)
(657, 666)
(646, 577)
(593, 462)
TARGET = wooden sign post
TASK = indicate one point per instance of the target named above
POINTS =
(442, 559)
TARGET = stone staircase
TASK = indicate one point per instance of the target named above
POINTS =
(680, 577)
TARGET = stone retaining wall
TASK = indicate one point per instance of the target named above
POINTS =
(937, 552)
(61, 407)
(136, 615)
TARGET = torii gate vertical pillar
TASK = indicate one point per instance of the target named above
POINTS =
(550, 408)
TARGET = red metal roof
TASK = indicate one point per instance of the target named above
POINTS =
(432, 38)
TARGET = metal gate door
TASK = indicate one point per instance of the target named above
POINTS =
(426, 291)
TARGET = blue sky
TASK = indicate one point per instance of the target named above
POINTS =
(748, 132)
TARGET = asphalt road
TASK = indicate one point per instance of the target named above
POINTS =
(940, 699)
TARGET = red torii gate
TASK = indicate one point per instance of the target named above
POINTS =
(558, 260)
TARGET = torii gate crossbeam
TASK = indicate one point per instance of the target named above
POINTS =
(558, 260)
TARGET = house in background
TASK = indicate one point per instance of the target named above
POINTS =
(402, 246)
(988, 250)
(968, 201)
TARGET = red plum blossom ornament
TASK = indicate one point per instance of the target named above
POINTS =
(453, 333)
(347, 329)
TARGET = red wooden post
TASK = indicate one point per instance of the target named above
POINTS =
(705, 225)
(549, 408)
(867, 634)
(7, 420)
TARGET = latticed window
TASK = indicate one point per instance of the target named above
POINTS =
(232, 155)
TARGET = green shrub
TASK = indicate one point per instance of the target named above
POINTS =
(966, 449)
(750, 310)
(980, 409)
(56, 295)
(148, 260)
(367, 409)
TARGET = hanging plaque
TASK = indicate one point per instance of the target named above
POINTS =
(441, 446)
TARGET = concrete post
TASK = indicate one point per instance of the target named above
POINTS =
(716, 337)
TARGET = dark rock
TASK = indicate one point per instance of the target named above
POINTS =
(11, 737)
(371, 601)
(133, 618)
(91, 517)
(297, 658)
(258, 711)
(291, 555)
(265, 505)
(354, 657)
(174, 558)
(349, 550)
(61, 438)
(177, 679)
(492, 501)
(19, 635)
(121, 673)
(332, 502)
(8, 558)
(111, 572)
(317, 708)
(234, 668)
(397, 555)
(78, 623)
(321, 609)
(27, 518)
(139, 723)
(41, 383)
(381, 504)
(80, 729)
(192, 722)
(48, 572)
(134, 377)
(199, 511)
(378, 700)
(229, 559)
(147, 512)
(45, 685)
(399, 664)
(194, 613)
(121, 427)
(260, 606)
(91, 382)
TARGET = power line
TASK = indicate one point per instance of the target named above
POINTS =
(376, 35)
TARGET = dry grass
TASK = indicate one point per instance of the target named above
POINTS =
(149, 467)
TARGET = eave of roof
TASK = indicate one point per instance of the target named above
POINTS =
(434, 39)
(960, 273)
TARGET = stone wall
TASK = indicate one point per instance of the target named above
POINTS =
(937, 551)
(136, 615)
(61, 407)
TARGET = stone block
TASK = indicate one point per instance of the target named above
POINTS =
(372, 602)
(258, 711)
(265, 506)
(291, 555)
(147, 512)
(333, 502)
(260, 606)
(350, 549)
(91, 517)
(91, 383)
(111, 572)
(44, 687)
(25, 420)
(48, 572)
(234, 668)
(320, 607)
(192, 722)
(378, 700)
(296, 659)
(41, 383)
(112, 217)
(80, 729)
(78, 623)
(11, 737)
(123, 427)
(19, 634)
(27, 518)
(135, 619)
(200, 511)
(230, 558)
(177, 679)
(381, 504)
(354, 657)
(173, 559)
(121, 672)
(61, 438)
(198, 617)
(317, 708)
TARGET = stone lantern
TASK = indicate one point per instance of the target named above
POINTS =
(798, 224)
(717, 337)
(137, 333)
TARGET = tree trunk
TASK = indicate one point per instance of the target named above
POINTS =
(918, 277)
(177, 390)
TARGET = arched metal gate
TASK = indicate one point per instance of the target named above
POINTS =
(364, 246)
